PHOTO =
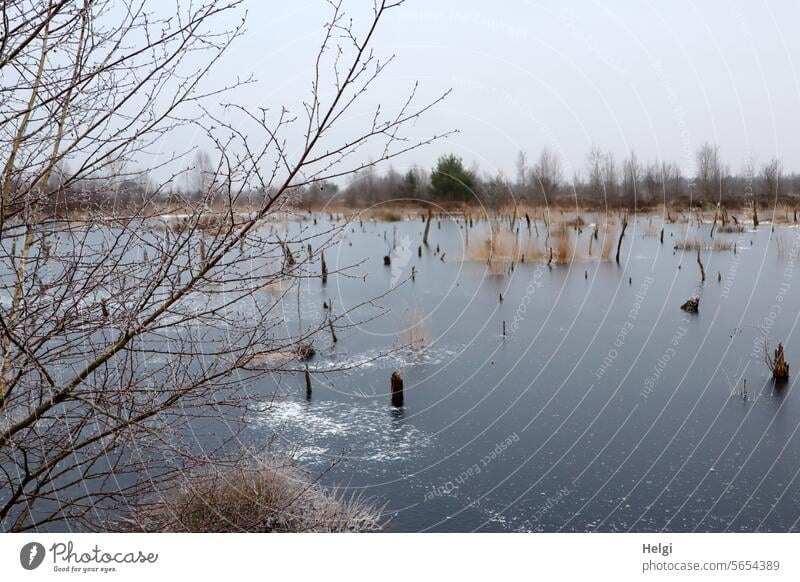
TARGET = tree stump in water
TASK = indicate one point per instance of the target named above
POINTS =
(305, 351)
(397, 389)
(692, 305)
(780, 369)
(427, 228)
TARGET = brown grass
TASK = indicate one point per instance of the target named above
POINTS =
(382, 214)
(607, 236)
(562, 244)
(269, 497)
(498, 249)
(651, 230)
(711, 245)
(577, 222)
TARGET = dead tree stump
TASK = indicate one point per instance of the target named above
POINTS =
(702, 268)
(397, 389)
(692, 305)
(427, 228)
(621, 235)
(780, 368)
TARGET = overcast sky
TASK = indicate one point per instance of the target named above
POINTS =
(656, 77)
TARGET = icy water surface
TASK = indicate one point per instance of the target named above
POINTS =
(605, 407)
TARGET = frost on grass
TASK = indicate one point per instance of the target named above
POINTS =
(269, 497)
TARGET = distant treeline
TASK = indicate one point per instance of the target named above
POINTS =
(629, 183)
(603, 182)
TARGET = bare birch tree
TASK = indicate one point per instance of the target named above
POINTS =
(124, 332)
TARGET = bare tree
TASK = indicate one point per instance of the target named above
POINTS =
(771, 174)
(201, 173)
(594, 163)
(546, 173)
(709, 172)
(631, 178)
(522, 174)
(610, 180)
(121, 330)
(674, 182)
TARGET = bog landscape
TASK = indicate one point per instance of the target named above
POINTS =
(266, 329)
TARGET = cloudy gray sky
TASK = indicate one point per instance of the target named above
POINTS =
(656, 77)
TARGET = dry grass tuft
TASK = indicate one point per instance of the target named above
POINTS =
(695, 245)
(577, 222)
(651, 230)
(562, 244)
(500, 248)
(269, 497)
(497, 248)
(608, 236)
(382, 214)
(731, 229)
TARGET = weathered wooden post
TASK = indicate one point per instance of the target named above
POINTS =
(397, 389)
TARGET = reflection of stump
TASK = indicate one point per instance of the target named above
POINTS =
(780, 369)
(692, 305)
(397, 389)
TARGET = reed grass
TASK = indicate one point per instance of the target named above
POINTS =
(715, 245)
